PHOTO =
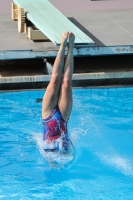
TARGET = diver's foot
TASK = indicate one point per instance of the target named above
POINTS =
(71, 40)
(64, 39)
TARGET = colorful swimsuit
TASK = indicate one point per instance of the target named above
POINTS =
(56, 127)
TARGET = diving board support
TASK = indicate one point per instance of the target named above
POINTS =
(14, 11)
(32, 33)
(35, 34)
(25, 29)
(18, 13)
(21, 20)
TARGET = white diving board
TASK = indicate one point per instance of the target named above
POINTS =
(51, 22)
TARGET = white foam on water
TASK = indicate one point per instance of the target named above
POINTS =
(55, 159)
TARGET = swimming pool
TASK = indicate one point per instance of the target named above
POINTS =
(101, 129)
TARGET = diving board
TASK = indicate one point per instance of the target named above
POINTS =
(51, 22)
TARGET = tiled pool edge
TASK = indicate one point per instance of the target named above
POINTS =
(76, 77)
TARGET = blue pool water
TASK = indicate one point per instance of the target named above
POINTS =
(101, 128)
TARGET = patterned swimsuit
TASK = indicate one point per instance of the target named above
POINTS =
(54, 125)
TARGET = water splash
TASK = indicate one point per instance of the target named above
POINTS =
(55, 159)
(48, 67)
(121, 163)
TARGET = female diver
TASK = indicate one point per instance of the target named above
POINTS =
(57, 100)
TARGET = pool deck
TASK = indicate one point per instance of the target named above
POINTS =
(108, 23)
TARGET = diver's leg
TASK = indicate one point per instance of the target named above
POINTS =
(65, 99)
(50, 99)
